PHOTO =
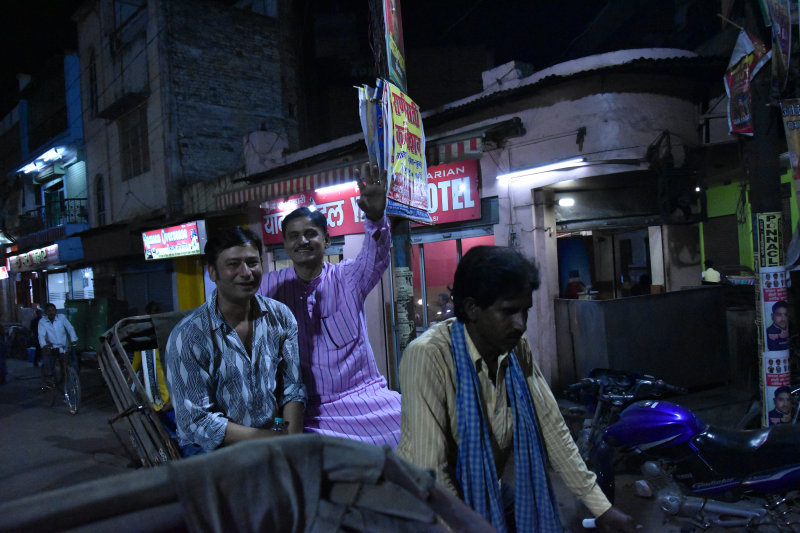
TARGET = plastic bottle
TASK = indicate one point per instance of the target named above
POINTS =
(278, 425)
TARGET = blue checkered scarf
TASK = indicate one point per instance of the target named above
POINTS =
(534, 504)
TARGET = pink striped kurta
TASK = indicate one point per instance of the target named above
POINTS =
(347, 395)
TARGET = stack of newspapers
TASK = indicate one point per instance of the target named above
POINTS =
(395, 139)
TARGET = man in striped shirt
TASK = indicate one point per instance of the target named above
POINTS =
(347, 395)
(232, 363)
(471, 364)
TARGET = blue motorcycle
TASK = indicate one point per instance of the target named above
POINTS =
(700, 475)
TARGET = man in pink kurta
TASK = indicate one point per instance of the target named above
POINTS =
(347, 395)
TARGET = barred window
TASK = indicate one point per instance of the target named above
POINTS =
(134, 153)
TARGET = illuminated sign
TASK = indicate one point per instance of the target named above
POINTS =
(33, 260)
(3, 272)
(453, 196)
(174, 241)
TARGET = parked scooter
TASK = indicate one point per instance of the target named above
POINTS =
(702, 476)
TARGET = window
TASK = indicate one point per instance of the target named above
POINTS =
(125, 9)
(100, 200)
(433, 264)
(134, 153)
(92, 83)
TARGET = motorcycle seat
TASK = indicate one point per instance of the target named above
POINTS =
(731, 452)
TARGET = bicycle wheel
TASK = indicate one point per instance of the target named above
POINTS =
(57, 379)
(72, 389)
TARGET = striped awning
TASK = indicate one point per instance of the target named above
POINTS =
(288, 187)
(435, 154)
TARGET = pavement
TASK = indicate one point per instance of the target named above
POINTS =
(46, 448)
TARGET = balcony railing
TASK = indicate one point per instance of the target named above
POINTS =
(72, 211)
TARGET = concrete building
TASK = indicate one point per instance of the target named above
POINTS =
(169, 88)
(44, 192)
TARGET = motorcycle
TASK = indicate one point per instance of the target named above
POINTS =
(702, 476)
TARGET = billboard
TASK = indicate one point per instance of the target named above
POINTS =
(174, 241)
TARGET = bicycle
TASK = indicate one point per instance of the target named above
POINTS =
(62, 378)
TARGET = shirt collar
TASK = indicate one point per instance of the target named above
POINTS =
(218, 321)
(475, 355)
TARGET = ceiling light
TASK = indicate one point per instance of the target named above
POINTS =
(558, 165)
(567, 201)
(335, 188)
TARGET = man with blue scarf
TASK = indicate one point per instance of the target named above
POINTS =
(474, 401)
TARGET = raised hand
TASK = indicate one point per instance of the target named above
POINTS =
(373, 192)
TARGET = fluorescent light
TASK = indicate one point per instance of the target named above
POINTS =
(567, 201)
(559, 165)
(335, 188)
(51, 155)
(31, 167)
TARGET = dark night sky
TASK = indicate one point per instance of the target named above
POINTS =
(31, 31)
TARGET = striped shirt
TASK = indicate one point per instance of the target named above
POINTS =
(429, 426)
(347, 395)
(212, 379)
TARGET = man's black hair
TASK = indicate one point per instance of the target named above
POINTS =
(50, 304)
(487, 273)
(779, 390)
(236, 236)
(317, 218)
(778, 305)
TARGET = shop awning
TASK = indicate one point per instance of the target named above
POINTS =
(287, 187)
(436, 153)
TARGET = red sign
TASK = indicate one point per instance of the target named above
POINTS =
(174, 241)
(452, 193)
(34, 259)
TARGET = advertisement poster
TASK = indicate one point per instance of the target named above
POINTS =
(770, 239)
(174, 241)
(395, 52)
(405, 139)
(790, 109)
(781, 24)
(775, 361)
(748, 56)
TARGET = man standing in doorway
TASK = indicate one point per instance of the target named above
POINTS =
(55, 336)
(347, 395)
(474, 402)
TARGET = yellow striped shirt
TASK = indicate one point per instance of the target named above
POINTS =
(429, 435)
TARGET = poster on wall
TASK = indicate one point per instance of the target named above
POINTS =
(174, 241)
(776, 339)
(748, 56)
(790, 109)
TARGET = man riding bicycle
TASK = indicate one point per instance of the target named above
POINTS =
(55, 334)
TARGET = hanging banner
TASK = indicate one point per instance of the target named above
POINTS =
(395, 53)
(749, 55)
(790, 109)
(405, 142)
(781, 24)
(770, 239)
